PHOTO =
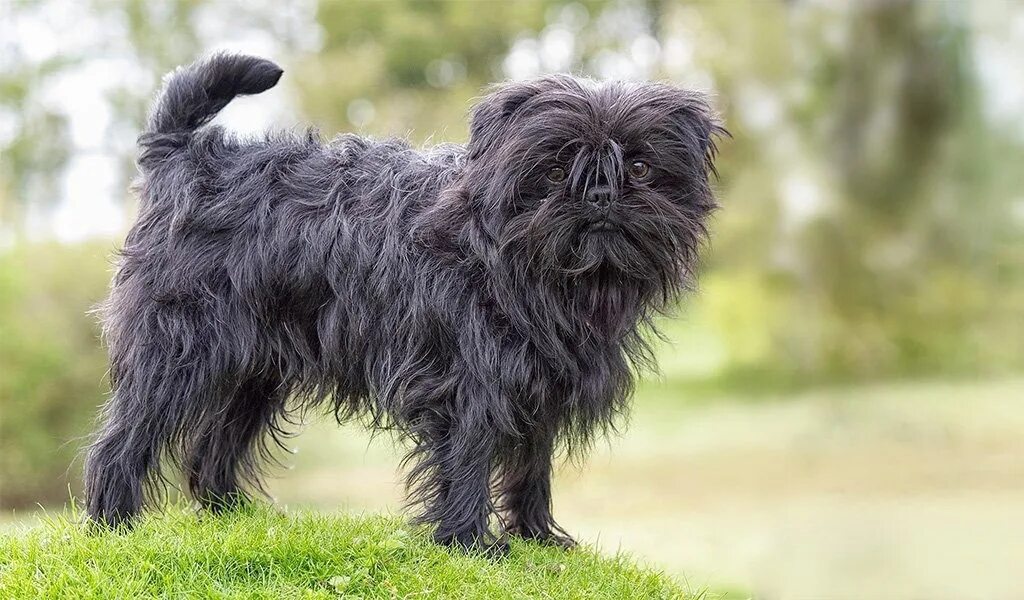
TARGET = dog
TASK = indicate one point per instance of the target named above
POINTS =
(489, 302)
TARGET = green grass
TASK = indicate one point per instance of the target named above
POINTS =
(259, 553)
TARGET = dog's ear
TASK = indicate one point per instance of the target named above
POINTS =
(696, 125)
(495, 111)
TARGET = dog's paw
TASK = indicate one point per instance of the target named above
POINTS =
(565, 542)
(497, 549)
(547, 538)
(474, 543)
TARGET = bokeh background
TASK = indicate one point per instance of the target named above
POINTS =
(839, 413)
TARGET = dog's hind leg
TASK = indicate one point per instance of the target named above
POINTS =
(163, 371)
(151, 399)
(119, 461)
(224, 456)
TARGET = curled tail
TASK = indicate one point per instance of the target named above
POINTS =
(194, 94)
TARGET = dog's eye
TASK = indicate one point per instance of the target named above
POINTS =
(556, 175)
(639, 169)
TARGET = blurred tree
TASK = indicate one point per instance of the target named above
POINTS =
(35, 152)
(870, 257)
(51, 367)
(38, 145)
(862, 199)
(411, 66)
(893, 263)
(121, 48)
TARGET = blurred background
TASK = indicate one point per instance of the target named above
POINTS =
(839, 413)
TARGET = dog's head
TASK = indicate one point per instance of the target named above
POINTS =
(582, 179)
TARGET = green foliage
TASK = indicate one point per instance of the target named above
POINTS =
(258, 553)
(35, 151)
(51, 367)
(897, 252)
(414, 65)
(908, 261)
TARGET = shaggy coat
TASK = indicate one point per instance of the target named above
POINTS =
(488, 301)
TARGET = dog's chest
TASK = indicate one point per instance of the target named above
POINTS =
(584, 371)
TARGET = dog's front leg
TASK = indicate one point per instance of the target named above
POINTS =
(463, 511)
(452, 479)
(525, 488)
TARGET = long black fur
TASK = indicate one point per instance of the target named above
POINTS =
(454, 294)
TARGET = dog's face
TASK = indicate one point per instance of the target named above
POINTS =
(603, 179)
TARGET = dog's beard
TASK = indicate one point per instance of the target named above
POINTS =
(649, 243)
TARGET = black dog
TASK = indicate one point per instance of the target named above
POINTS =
(487, 301)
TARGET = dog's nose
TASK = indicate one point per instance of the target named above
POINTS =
(599, 197)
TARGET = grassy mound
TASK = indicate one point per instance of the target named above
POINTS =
(257, 553)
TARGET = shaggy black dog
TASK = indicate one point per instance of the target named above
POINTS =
(488, 302)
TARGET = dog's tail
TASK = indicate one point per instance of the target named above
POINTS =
(192, 95)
